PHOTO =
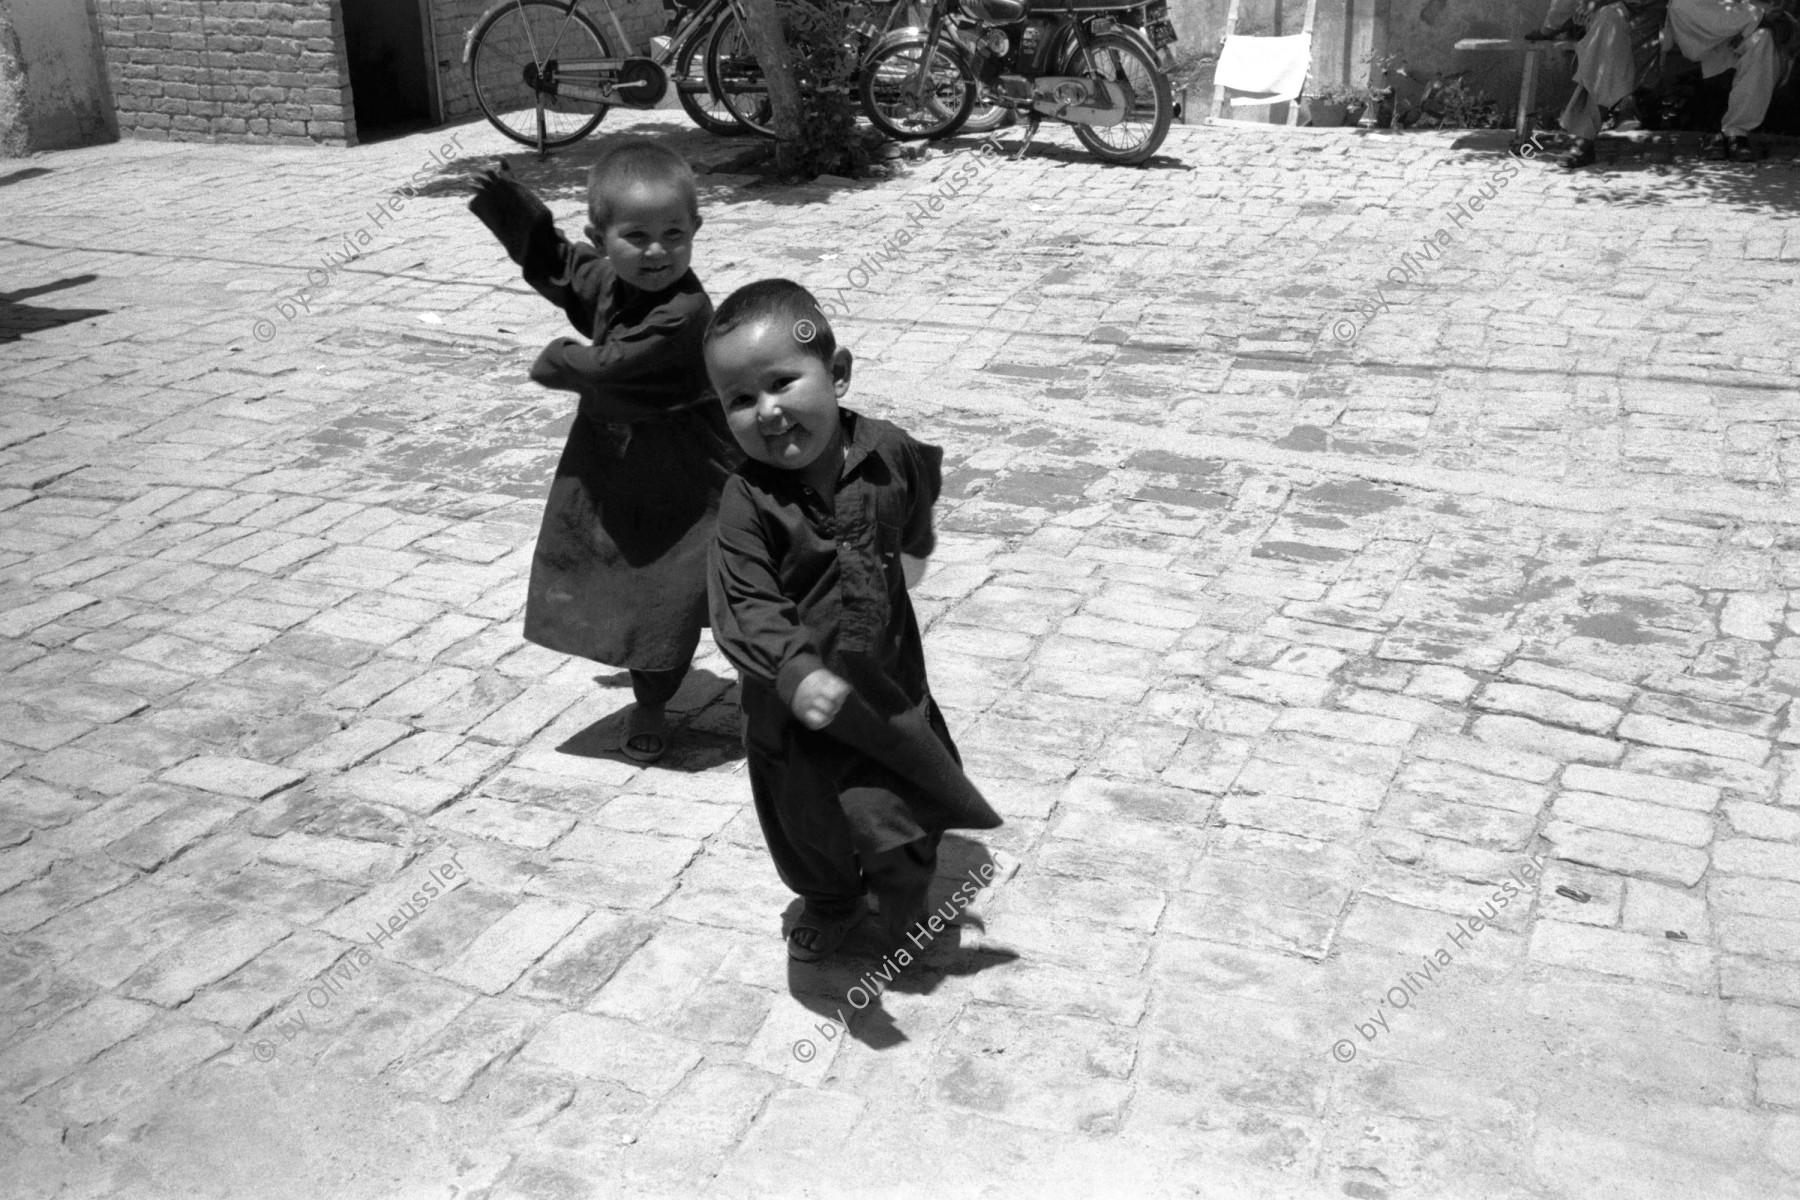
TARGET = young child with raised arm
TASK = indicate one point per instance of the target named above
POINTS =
(821, 533)
(619, 574)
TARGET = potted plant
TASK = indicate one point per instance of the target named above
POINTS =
(1330, 106)
(1382, 104)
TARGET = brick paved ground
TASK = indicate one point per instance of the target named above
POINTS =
(1283, 652)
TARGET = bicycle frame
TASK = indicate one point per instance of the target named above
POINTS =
(601, 74)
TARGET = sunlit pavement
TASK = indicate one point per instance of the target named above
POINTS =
(1364, 585)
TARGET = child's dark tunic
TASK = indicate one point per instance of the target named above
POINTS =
(798, 585)
(620, 570)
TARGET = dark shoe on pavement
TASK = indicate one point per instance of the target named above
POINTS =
(1718, 149)
(904, 915)
(1581, 156)
(1567, 31)
(646, 734)
(1739, 149)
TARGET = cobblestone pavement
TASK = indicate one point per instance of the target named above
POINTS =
(1383, 664)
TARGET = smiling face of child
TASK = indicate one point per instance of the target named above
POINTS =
(649, 235)
(781, 400)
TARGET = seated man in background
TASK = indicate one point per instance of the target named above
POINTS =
(1614, 56)
(1621, 41)
(1729, 35)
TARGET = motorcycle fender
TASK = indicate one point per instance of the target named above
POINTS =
(1066, 46)
(947, 46)
(1132, 32)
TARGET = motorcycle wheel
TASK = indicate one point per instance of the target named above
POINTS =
(1150, 105)
(908, 99)
(704, 108)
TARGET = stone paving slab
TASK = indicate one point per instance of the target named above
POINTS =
(1376, 618)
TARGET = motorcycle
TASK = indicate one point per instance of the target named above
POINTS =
(1099, 66)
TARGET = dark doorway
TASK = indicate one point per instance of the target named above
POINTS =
(390, 67)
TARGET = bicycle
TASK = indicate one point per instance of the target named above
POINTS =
(1095, 65)
(734, 75)
(544, 74)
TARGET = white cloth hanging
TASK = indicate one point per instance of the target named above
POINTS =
(1271, 70)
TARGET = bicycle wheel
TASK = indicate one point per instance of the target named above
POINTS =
(536, 61)
(736, 78)
(908, 98)
(698, 100)
(1149, 105)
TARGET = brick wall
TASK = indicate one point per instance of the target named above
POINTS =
(232, 70)
(452, 20)
(275, 70)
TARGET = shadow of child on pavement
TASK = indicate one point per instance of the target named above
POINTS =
(18, 319)
(847, 988)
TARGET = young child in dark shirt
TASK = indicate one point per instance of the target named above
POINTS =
(619, 575)
(821, 533)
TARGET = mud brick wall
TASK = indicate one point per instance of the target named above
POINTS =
(453, 19)
(230, 70)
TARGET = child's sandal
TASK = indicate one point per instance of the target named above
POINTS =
(814, 937)
(650, 730)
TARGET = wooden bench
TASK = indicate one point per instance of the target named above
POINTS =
(1527, 81)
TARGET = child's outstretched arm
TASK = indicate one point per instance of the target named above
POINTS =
(525, 227)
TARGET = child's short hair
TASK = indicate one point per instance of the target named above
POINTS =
(627, 160)
(785, 300)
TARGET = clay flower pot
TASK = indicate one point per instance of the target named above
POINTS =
(1328, 113)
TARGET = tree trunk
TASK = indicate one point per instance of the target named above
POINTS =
(14, 135)
(763, 27)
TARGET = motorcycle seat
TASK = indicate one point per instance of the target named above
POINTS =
(996, 12)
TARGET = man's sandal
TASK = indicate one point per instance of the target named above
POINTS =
(814, 937)
(1718, 149)
(646, 734)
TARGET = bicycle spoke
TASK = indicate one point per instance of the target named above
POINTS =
(525, 20)
(538, 100)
